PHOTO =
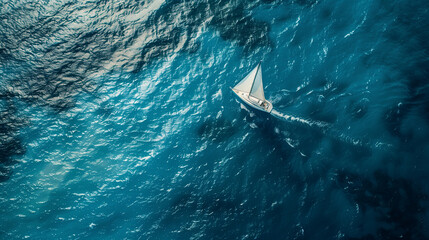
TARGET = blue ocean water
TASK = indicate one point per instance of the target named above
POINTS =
(117, 120)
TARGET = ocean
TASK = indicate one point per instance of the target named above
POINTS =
(117, 120)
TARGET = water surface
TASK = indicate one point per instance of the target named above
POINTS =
(117, 121)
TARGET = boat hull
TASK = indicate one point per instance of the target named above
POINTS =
(246, 99)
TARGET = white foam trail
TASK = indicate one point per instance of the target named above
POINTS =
(290, 118)
(328, 130)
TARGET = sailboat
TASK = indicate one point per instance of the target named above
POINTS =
(251, 91)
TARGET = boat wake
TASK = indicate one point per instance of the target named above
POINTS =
(310, 123)
(251, 91)
(328, 130)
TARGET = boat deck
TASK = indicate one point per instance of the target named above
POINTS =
(256, 103)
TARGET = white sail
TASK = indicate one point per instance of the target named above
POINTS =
(257, 89)
(245, 85)
(251, 91)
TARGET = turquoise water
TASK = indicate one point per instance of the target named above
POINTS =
(117, 120)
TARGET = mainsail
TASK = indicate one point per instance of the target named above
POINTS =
(252, 83)
(257, 89)
(245, 85)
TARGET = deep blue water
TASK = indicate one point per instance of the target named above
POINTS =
(117, 121)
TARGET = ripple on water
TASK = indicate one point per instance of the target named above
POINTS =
(116, 119)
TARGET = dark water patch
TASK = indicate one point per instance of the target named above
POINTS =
(44, 89)
(4, 54)
(216, 130)
(54, 73)
(326, 12)
(184, 200)
(236, 26)
(275, 222)
(317, 108)
(10, 142)
(173, 26)
(405, 54)
(358, 108)
(105, 109)
(333, 88)
(353, 150)
(269, 131)
(271, 142)
(308, 131)
(300, 37)
(10, 146)
(4, 173)
(309, 139)
(284, 145)
(228, 18)
(416, 101)
(393, 119)
(317, 111)
(320, 95)
(397, 203)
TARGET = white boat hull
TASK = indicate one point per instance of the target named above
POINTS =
(255, 103)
